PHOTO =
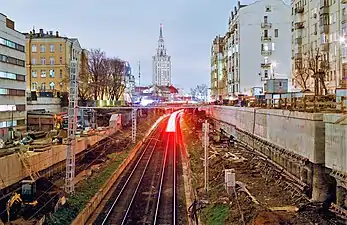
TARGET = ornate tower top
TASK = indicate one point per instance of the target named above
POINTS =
(161, 51)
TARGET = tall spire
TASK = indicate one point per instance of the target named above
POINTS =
(161, 31)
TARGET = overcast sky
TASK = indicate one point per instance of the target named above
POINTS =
(129, 29)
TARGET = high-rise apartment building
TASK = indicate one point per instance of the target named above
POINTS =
(12, 78)
(161, 63)
(48, 59)
(257, 46)
(319, 28)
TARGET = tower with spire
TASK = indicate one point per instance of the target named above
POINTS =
(161, 63)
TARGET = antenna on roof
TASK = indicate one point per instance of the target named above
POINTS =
(139, 73)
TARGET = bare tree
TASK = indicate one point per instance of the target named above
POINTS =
(199, 90)
(301, 74)
(97, 67)
(84, 91)
(116, 78)
(318, 66)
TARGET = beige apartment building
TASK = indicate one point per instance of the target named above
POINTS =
(219, 77)
(319, 27)
(48, 59)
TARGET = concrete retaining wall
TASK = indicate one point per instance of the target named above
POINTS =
(298, 132)
(13, 171)
(336, 141)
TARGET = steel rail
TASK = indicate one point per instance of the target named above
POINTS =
(139, 183)
(130, 176)
(161, 181)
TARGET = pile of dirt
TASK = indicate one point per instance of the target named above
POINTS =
(267, 217)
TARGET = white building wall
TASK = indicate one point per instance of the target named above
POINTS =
(8, 78)
(250, 19)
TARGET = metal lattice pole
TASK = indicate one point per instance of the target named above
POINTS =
(72, 124)
(206, 144)
(133, 127)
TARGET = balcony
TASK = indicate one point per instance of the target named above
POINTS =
(324, 9)
(324, 29)
(325, 47)
(265, 38)
(266, 25)
(344, 18)
(266, 52)
(265, 65)
(298, 40)
(299, 9)
(299, 25)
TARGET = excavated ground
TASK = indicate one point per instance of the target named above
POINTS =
(269, 200)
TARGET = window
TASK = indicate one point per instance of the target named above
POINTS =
(266, 74)
(273, 47)
(8, 75)
(43, 86)
(51, 47)
(61, 73)
(266, 33)
(33, 48)
(61, 60)
(34, 86)
(34, 73)
(265, 19)
(11, 60)
(43, 61)
(276, 32)
(51, 85)
(51, 60)
(3, 91)
(42, 48)
(61, 47)
(51, 73)
(43, 73)
(11, 44)
(280, 84)
(33, 61)
(268, 8)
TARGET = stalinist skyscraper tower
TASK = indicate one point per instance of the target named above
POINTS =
(161, 63)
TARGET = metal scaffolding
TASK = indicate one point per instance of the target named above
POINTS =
(72, 125)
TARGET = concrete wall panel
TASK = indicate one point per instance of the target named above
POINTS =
(301, 133)
(336, 141)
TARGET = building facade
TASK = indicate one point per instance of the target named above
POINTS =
(12, 79)
(219, 79)
(256, 47)
(161, 63)
(48, 59)
(319, 28)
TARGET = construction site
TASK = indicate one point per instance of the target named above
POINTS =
(33, 164)
(261, 194)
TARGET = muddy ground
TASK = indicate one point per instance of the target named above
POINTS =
(266, 199)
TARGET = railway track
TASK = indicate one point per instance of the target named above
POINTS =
(146, 193)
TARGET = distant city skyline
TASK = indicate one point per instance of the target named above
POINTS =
(132, 32)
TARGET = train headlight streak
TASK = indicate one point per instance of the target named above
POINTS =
(171, 125)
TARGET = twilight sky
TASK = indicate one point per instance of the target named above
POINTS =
(129, 29)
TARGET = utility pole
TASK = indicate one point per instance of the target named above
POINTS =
(206, 144)
(72, 125)
(133, 127)
(139, 73)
